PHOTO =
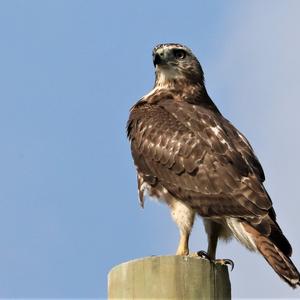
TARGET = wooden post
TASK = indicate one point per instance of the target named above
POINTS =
(169, 277)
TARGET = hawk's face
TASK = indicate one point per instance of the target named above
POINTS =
(174, 63)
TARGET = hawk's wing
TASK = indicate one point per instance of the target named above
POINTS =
(199, 157)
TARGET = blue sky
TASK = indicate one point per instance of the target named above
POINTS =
(70, 71)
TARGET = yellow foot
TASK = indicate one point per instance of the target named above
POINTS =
(224, 261)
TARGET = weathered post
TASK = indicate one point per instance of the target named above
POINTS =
(169, 277)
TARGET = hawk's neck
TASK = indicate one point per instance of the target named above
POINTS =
(179, 91)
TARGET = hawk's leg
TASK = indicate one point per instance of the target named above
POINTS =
(184, 217)
(214, 230)
(183, 246)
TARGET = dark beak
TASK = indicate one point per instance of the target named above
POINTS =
(156, 60)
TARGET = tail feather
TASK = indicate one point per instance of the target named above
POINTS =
(270, 228)
(280, 262)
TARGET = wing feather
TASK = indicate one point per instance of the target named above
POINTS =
(199, 157)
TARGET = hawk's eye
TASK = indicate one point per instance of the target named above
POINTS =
(179, 54)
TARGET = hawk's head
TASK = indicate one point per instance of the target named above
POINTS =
(175, 63)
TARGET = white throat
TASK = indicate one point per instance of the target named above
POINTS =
(165, 76)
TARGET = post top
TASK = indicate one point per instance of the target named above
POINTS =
(170, 276)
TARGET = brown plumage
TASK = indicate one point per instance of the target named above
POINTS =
(189, 156)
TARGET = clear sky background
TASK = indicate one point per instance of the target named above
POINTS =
(69, 72)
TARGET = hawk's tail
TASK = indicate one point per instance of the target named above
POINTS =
(279, 261)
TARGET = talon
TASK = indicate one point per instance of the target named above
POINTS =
(226, 262)
(230, 263)
(204, 255)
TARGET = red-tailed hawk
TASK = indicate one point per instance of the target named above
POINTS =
(193, 159)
